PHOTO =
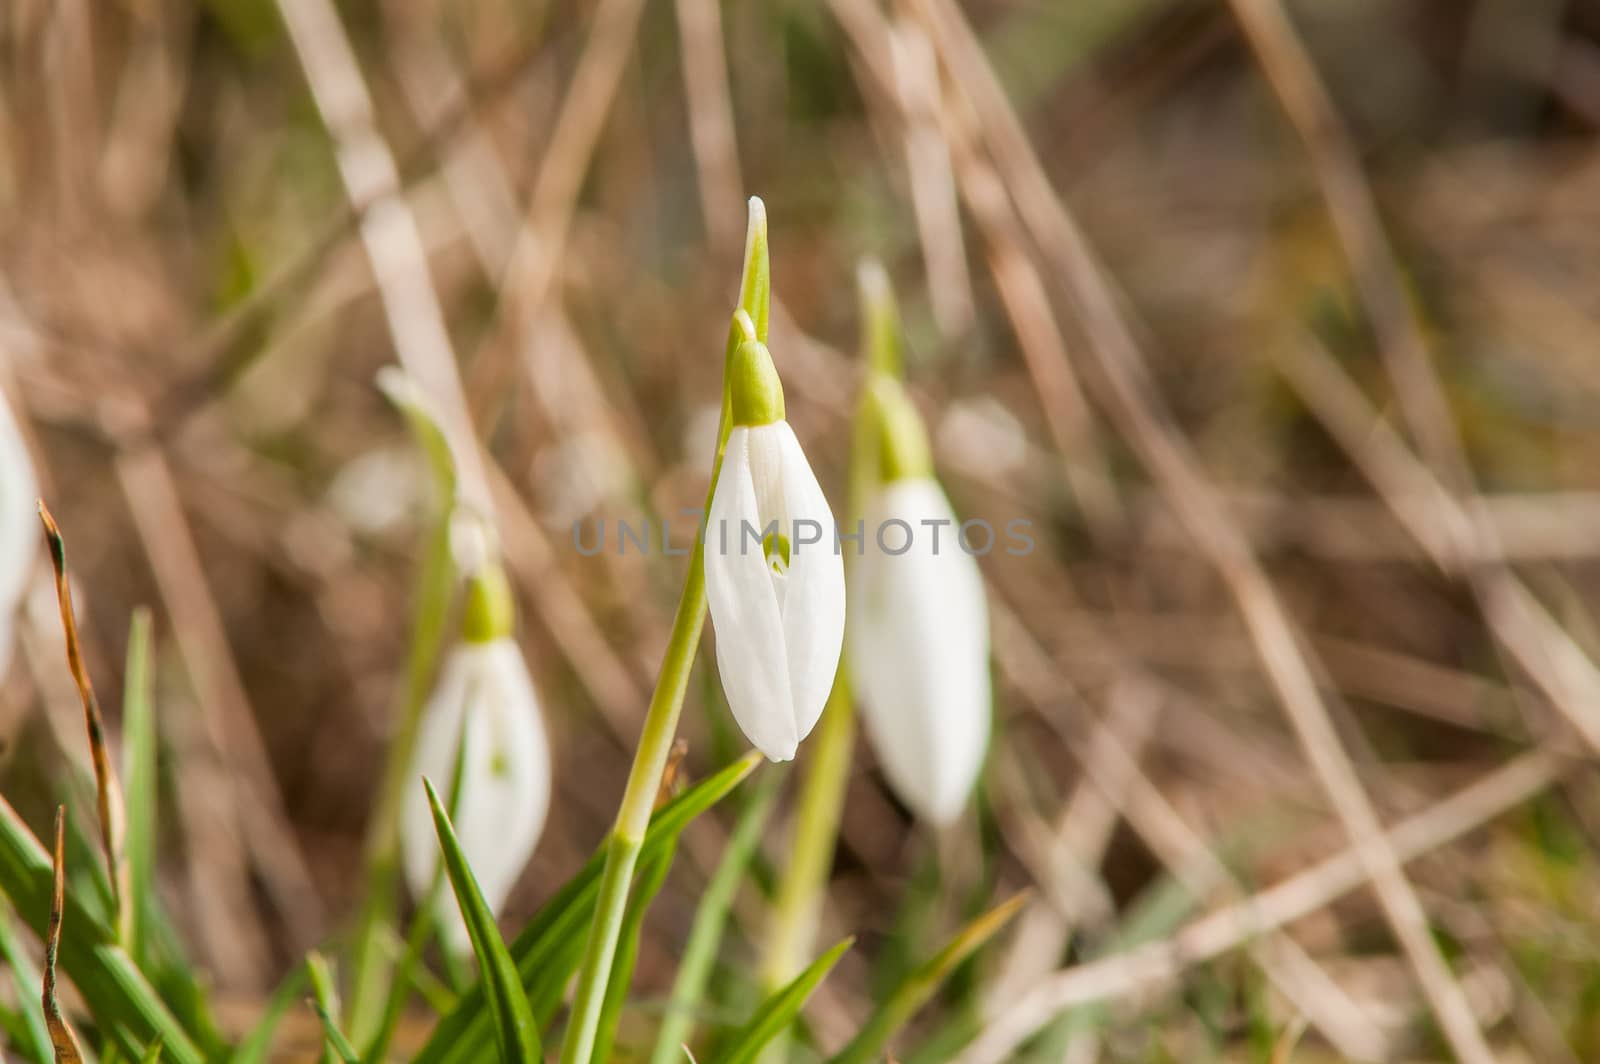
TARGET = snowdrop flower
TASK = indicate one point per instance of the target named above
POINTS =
(774, 576)
(485, 717)
(919, 628)
(19, 524)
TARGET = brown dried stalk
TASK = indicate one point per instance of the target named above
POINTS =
(108, 792)
(61, 1033)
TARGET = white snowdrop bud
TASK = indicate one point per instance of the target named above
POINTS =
(485, 717)
(774, 579)
(919, 629)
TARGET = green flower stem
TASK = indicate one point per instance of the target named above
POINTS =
(798, 908)
(633, 818)
(435, 584)
(369, 985)
(666, 703)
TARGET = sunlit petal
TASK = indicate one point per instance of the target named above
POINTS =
(919, 650)
(744, 609)
(813, 609)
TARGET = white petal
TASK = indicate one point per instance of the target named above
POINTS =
(744, 610)
(19, 523)
(813, 605)
(767, 470)
(919, 653)
(505, 784)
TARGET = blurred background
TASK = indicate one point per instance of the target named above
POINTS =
(1270, 318)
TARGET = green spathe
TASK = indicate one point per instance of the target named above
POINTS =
(755, 392)
(903, 451)
(490, 612)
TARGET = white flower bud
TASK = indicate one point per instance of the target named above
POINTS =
(777, 601)
(484, 699)
(919, 650)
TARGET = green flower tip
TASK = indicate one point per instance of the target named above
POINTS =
(402, 390)
(873, 281)
(880, 321)
(491, 612)
(755, 288)
(903, 449)
(754, 389)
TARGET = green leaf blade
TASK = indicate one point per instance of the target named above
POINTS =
(779, 1011)
(515, 1031)
(111, 986)
(256, 1047)
(325, 998)
(25, 982)
(920, 984)
(705, 935)
(541, 951)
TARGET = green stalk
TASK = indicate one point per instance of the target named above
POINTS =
(666, 703)
(435, 583)
(651, 878)
(380, 900)
(797, 911)
(622, 849)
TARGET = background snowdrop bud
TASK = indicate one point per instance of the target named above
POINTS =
(483, 715)
(919, 629)
(902, 441)
(777, 599)
(19, 525)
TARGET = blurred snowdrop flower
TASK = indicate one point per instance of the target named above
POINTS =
(375, 492)
(983, 438)
(579, 475)
(774, 575)
(19, 525)
(483, 717)
(919, 627)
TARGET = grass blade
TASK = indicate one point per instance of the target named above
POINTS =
(62, 1038)
(139, 793)
(778, 1011)
(152, 1053)
(325, 999)
(257, 1045)
(34, 1035)
(403, 975)
(922, 982)
(515, 1032)
(116, 994)
(700, 952)
(463, 1035)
